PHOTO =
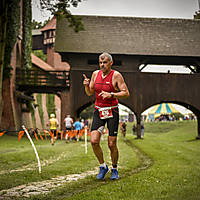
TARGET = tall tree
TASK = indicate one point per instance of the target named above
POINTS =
(3, 25)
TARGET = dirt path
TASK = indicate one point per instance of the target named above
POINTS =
(42, 187)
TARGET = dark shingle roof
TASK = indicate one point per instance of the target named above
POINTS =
(130, 35)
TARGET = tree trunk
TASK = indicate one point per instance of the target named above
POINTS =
(3, 25)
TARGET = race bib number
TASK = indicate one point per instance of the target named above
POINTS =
(105, 113)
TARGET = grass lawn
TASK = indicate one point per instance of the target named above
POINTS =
(163, 165)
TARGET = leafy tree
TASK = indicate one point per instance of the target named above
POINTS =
(60, 8)
(36, 24)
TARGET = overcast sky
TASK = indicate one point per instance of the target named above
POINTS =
(135, 8)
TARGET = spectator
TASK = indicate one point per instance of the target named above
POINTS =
(78, 126)
(82, 123)
(68, 126)
(142, 129)
(123, 128)
(134, 129)
(53, 123)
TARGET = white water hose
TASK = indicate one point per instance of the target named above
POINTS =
(86, 139)
(36, 153)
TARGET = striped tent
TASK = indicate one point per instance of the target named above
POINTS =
(161, 109)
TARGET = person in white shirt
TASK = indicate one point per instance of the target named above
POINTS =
(68, 126)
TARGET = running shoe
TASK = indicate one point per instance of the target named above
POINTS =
(114, 174)
(102, 172)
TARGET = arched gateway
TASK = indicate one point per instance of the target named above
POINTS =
(132, 42)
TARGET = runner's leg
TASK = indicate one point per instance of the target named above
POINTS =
(112, 144)
(95, 142)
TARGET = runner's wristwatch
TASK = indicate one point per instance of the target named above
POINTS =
(112, 94)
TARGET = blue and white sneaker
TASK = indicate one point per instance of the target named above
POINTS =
(102, 172)
(114, 174)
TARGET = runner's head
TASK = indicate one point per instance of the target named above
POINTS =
(105, 63)
(52, 115)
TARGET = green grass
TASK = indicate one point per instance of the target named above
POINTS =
(163, 165)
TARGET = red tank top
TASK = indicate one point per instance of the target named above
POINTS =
(104, 84)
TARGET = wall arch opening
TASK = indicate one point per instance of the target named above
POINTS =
(169, 111)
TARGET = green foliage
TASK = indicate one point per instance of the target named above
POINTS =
(11, 34)
(50, 103)
(197, 15)
(40, 109)
(61, 9)
(36, 24)
(27, 34)
(39, 25)
(74, 21)
(60, 5)
(40, 54)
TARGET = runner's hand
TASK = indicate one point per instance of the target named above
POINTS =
(86, 80)
(104, 94)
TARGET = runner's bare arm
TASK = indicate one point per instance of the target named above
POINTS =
(120, 84)
(89, 84)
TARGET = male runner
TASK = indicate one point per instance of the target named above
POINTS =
(108, 86)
